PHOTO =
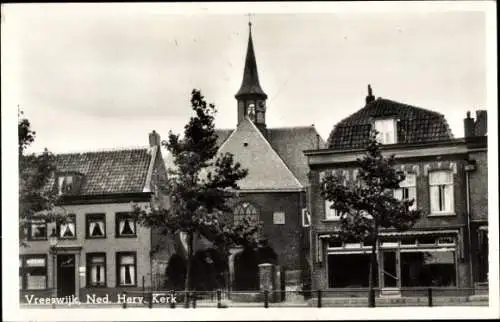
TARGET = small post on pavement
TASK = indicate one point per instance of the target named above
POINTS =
(266, 299)
(125, 300)
(319, 298)
(219, 298)
(429, 295)
(172, 301)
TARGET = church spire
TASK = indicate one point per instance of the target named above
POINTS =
(250, 85)
(251, 98)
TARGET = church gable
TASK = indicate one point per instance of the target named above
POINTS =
(266, 170)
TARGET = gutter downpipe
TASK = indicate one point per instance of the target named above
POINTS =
(468, 169)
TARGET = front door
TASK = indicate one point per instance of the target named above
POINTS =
(390, 271)
(65, 275)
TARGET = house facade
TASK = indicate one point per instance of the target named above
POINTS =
(99, 249)
(443, 175)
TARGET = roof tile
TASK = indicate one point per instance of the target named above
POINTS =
(104, 172)
(416, 125)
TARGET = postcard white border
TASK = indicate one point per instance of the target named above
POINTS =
(10, 180)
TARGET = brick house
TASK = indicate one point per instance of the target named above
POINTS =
(441, 173)
(274, 192)
(476, 140)
(100, 249)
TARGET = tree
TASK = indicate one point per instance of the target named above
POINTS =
(368, 205)
(35, 170)
(200, 188)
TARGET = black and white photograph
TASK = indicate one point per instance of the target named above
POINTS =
(254, 160)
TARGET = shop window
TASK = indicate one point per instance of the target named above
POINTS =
(428, 269)
(446, 241)
(96, 269)
(348, 270)
(427, 240)
(335, 243)
(409, 241)
(33, 272)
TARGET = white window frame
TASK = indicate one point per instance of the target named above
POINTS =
(306, 217)
(329, 213)
(65, 184)
(411, 187)
(69, 224)
(124, 268)
(94, 266)
(443, 190)
(386, 129)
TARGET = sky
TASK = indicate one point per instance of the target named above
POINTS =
(98, 76)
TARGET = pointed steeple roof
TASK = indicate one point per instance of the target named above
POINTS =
(250, 84)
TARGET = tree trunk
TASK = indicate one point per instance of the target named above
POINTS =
(371, 278)
(187, 281)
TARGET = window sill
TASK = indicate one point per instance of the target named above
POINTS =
(125, 236)
(37, 239)
(96, 286)
(330, 220)
(96, 237)
(442, 214)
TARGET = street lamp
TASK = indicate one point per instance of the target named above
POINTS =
(53, 243)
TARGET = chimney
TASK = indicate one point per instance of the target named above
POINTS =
(370, 98)
(154, 139)
(468, 126)
(481, 126)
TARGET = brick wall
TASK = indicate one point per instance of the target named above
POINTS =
(421, 168)
(479, 186)
(284, 239)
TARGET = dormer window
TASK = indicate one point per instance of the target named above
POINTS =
(386, 129)
(64, 184)
(68, 183)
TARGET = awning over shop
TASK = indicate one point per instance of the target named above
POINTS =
(405, 233)
(418, 233)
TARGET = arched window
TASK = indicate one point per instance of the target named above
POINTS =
(245, 209)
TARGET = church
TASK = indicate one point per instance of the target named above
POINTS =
(275, 190)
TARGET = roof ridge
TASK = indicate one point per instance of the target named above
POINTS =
(293, 127)
(412, 106)
(103, 150)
